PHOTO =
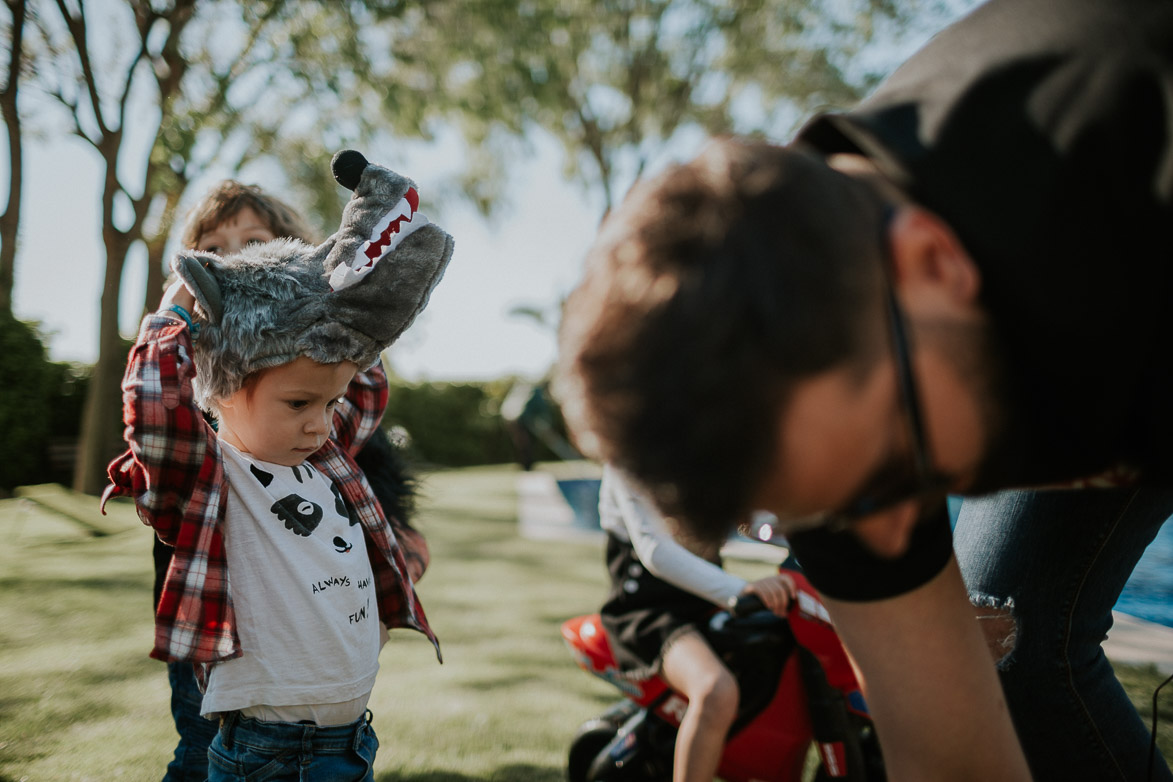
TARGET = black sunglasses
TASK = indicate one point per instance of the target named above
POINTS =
(896, 483)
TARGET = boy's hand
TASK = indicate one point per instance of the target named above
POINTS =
(776, 591)
(178, 293)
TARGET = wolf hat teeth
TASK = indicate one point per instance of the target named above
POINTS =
(347, 299)
(395, 226)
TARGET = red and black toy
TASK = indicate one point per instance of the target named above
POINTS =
(797, 687)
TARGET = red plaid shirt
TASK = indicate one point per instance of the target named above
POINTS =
(175, 473)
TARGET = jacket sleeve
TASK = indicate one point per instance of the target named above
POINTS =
(171, 446)
(659, 551)
(358, 413)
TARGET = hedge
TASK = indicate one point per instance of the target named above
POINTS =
(40, 408)
(456, 424)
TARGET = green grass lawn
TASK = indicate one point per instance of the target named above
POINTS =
(80, 700)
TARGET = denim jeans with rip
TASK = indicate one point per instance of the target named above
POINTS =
(1043, 570)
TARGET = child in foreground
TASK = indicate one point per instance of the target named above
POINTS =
(286, 572)
(660, 592)
(230, 217)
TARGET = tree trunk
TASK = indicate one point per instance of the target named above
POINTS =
(156, 280)
(101, 427)
(10, 220)
(9, 229)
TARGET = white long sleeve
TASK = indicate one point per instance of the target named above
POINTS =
(630, 516)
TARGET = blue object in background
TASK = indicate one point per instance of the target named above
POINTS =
(1149, 591)
(583, 497)
(954, 509)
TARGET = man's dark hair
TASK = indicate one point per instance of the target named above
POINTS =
(711, 291)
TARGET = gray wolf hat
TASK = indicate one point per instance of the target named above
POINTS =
(347, 299)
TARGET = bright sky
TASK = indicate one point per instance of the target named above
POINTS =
(530, 255)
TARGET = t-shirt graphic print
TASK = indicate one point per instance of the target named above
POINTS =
(302, 587)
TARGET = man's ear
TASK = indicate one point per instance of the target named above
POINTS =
(925, 251)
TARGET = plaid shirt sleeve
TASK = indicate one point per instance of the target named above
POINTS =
(170, 443)
(174, 472)
(358, 414)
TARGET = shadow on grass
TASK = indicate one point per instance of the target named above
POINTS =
(96, 584)
(63, 694)
(511, 773)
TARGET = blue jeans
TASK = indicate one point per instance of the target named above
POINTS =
(190, 763)
(1054, 563)
(248, 750)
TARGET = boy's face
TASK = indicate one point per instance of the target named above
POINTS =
(229, 236)
(289, 412)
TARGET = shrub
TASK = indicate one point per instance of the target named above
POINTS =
(456, 424)
(24, 405)
(40, 408)
(449, 424)
(67, 385)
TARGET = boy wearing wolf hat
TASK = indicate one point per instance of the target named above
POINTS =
(275, 529)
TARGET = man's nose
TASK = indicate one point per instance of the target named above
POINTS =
(887, 533)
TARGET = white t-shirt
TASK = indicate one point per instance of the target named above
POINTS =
(304, 595)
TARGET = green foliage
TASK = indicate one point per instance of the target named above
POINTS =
(457, 424)
(451, 424)
(24, 406)
(40, 409)
(616, 81)
(66, 389)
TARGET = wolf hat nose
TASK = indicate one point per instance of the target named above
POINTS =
(348, 166)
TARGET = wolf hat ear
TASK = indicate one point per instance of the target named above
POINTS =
(192, 269)
(346, 300)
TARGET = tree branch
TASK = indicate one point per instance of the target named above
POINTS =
(77, 31)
